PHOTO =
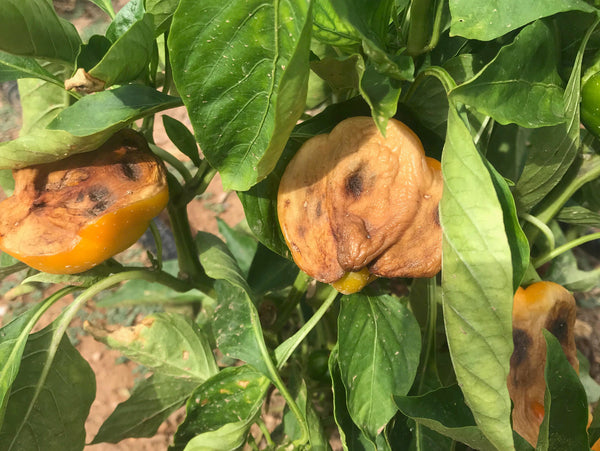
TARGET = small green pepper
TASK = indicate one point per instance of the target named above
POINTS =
(590, 104)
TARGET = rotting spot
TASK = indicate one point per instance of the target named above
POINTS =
(522, 341)
(354, 184)
(243, 384)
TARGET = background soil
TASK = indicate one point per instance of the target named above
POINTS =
(116, 376)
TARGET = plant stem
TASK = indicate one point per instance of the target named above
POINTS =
(158, 243)
(432, 71)
(172, 160)
(541, 226)
(263, 428)
(285, 349)
(564, 248)
(189, 263)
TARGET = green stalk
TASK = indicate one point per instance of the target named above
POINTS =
(190, 267)
(564, 248)
(542, 227)
(285, 349)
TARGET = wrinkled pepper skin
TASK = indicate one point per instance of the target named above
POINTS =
(68, 216)
(542, 305)
(590, 105)
(354, 205)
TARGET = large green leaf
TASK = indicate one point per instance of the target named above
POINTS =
(32, 28)
(50, 398)
(379, 344)
(221, 411)
(168, 343)
(351, 436)
(487, 20)
(444, 411)
(525, 69)
(41, 102)
(552, 150)
(236, 324)
(129, 55)
(242, 70)
(13, 338)
(564, 394)
(476, 283)
(151, 402)
(112, 109)
(85, 125)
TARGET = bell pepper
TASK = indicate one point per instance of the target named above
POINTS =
(70, 215)
(354, 205)
(590, 104)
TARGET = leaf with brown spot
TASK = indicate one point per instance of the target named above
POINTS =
(168, 343)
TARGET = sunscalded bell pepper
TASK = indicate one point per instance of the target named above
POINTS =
(542, 305)
(590, 104)
(354, 205)
(68, 216)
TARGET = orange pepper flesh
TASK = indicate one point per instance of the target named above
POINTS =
(100, 240)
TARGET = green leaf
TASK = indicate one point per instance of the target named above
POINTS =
(444, 411)
(32, 28)
(168, 343)
(299, 391)
(489, 20)
(111, 110)
(182, 137)
(270, 271)
(552, 150)
(519, 246)
(236, 323)
(525, 69)
(370, 19)
(50, 398)
(241, 244)
(379, 349)
(41, 102)
(351, 436)
(476, 283)
(93, 51)
(132, 12)
(244, 81)
(128, 56)
(150, 404)
(85, 125)
(223, 408)
(13, 67)
(163, 11)
(381, 92)
(106, 6)
(330, 28)
(564, 269)
(579, 215)
(564, 393)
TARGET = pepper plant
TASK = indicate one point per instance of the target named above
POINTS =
(492, 89)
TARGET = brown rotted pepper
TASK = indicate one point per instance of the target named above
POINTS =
(70, 215)
(542, 305)
(354, 205)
